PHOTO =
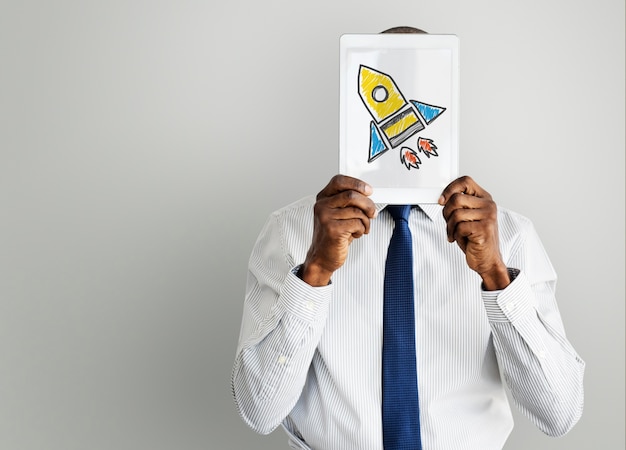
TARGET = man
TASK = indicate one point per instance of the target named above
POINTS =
(311, 343)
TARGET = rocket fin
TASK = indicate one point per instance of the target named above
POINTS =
(428, 112)
(377, 145)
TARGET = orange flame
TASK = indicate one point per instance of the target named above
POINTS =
(409, 158)
(427, 146)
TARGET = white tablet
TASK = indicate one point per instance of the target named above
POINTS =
(399, 109)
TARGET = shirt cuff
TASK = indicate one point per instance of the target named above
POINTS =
(303, 300)
(511, 303)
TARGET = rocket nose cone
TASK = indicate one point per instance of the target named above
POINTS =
(368, 75)
(379, 93)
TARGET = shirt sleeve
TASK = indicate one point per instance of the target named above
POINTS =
(540, 366)
(282, 322)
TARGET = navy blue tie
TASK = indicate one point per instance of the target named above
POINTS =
(401, 422)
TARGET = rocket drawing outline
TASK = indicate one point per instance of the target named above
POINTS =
(395, 120)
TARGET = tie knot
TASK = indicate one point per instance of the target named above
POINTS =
(399, 212)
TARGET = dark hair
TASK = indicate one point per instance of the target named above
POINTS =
(408, 30)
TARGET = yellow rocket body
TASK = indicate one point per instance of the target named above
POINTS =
(393, 115)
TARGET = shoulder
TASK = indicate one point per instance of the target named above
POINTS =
(293, 224)
(302, 206)
(515, 229)
(522, 248)
(286, 234)
(295, 215)
(512, 221)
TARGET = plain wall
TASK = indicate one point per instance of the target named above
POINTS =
(144, 143)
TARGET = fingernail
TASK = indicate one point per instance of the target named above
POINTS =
(441, 200)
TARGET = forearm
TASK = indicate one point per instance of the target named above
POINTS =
(540, 366)
(273, 360)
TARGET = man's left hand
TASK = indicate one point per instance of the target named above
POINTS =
(472, 218)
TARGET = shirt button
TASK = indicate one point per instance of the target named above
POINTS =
(509, 307)
(310, 305)
(542, 354)
(282, 359)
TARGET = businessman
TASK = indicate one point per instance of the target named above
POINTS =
(319, 347)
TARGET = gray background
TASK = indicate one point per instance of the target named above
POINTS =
(144, 143)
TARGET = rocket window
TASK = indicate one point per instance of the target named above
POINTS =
(380, 94)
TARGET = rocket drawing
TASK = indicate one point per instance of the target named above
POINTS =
(396, 120)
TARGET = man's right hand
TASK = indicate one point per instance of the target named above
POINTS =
(342, 213)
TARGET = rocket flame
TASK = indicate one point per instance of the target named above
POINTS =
(409, 158)
(427, 146)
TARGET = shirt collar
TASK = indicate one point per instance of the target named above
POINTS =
(432, 210)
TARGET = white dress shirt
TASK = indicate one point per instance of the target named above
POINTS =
(309, 358)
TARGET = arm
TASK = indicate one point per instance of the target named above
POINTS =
(286, 305)
(539, 365)
(282, 321)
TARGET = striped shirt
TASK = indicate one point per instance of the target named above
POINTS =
(310, 358)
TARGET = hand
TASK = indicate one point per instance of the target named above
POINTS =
(342, 213)
(472, 218)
